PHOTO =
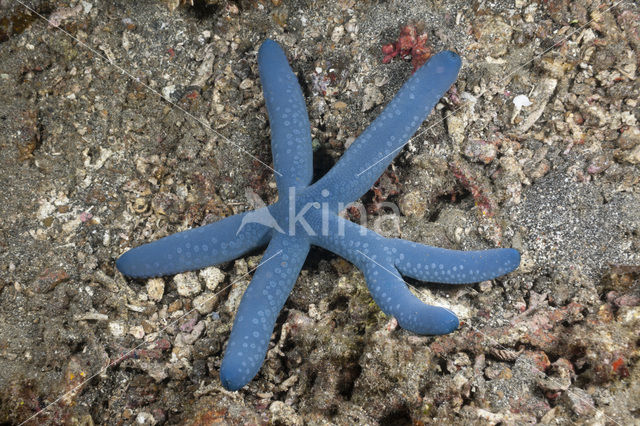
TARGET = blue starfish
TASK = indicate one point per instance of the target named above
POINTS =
(308, 214)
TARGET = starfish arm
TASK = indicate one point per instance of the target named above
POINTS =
(196, 248)
(259, 309)
(290, 129)
(440, 265)
(375, 257)
(372, 152)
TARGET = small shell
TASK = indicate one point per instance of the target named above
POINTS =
(505, 354)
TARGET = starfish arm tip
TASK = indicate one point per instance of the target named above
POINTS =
(434, 264)
(444, 322)
(512, 259)
(268, 44)
(126, 264)
(229, 378)
(289, 122)
(196, 248)
(141, 262)
(451, 59)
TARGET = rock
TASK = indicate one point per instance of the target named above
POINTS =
(155, 289)
(540, 97)
(339, 105)
(337, 33)
(494, 34)
(629, 138)
(157, 371)
(456, 125)
(187, 284)
(144, 418)
(413, 204)
(117, 328)
(49, 279)
(211, 276)
(634, 156)
(247, 83)
(579, 400)
(188, 339)
(480, 151)
(137, 331)
(372, 97)
(205, 302)
(168, 92)
(282, 413)
(149, 326)
(485, 286)
(175, 306)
